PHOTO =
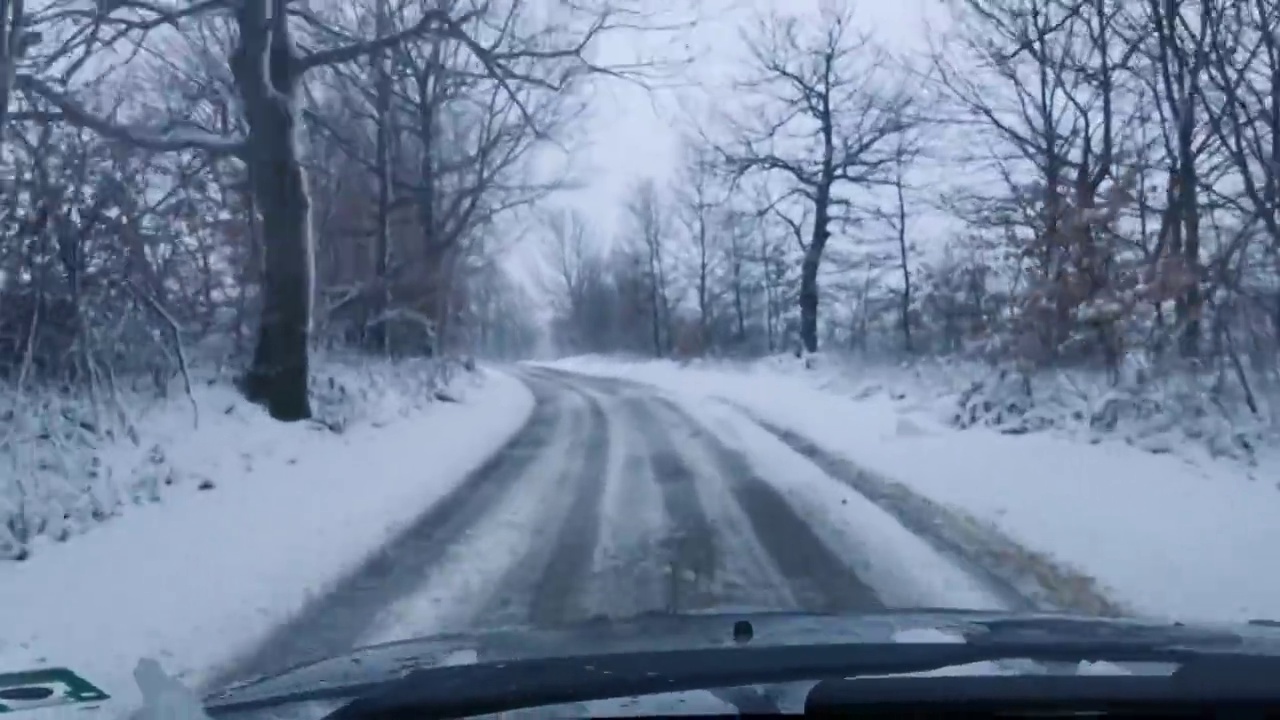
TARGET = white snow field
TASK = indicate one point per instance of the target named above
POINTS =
(192, 577)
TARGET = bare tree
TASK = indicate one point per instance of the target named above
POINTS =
(699, 207)
(14, 40)
(268, 68)
(567, 251)
(1180, 59)
(896, 219)
(651, 226)
(737, 253)
(1242, 101)
(831, 117)
(574, 267)
(501, 315)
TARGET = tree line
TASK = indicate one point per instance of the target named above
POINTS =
(1053, 183)
(275, 175)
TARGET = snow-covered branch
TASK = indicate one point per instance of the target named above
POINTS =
(165, 140)
(433, 21)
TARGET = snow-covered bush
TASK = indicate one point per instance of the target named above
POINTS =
(68, 462)
(1154, 414)
(51, 480)
(1155, 411)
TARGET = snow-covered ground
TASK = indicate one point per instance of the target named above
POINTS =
(1176, 534)
(229, 526)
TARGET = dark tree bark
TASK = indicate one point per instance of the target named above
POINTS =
(266, 70)
(823, 86)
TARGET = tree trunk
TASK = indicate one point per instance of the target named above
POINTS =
(265, 70)
(703, 310)
(434, 240)
(12, 14)
(809, 302)
(379, 335)
(817, 238)
(906, 269)
(654, 320)
(278, 376)
(1189, 342)
(738, 310)
(809, 270)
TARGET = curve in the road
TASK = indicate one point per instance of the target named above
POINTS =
(813, 572)
(712, 531)
(333, 623)
(670, 544)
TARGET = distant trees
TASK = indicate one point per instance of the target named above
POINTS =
(1055, 184)
(823, 118)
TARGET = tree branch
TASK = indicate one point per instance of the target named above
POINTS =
(360, 48)
(157, 140)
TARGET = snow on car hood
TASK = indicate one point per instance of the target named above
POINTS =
(344, 677)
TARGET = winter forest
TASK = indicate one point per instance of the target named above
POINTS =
(1055, 184)
(1055, 187)
(329, 323)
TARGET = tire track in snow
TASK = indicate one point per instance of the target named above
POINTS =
(689, 548)
(816, 575)
(875, 551)
(904, 570)
(673, 537)
(704, 554)
(628, 575)
(337, 620)
(743, 573)
(1021, 578)
(543, 587)
(564, 576)
(468, 581)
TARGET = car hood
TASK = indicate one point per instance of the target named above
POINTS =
(329, 681)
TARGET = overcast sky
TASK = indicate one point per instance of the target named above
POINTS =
(635, 133)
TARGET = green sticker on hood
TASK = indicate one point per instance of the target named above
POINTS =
(46, 687)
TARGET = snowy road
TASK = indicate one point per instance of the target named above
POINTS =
(612, 500)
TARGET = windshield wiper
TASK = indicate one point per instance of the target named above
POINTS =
(483, 688)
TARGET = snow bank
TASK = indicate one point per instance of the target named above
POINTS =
(1167, 535)
(229, 527)
(904, 571)
(1175, 412)
(70, 461)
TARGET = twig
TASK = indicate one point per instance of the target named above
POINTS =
(122, 414)
(91, 373)
(176, 333)
(29, 355)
